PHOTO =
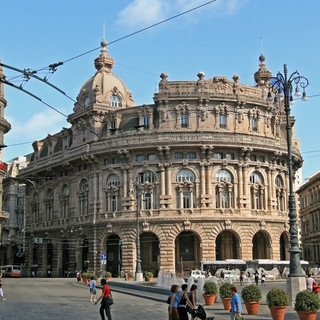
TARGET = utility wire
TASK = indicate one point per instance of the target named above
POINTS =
(132, 34)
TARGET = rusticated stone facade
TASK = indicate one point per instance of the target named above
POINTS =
(202, 171)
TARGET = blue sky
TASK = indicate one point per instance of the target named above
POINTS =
(223, 38)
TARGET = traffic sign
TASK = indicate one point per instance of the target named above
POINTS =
(104, 257)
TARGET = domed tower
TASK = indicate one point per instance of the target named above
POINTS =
(100, 96)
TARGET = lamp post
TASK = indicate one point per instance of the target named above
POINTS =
(283, 85)
(138, 275)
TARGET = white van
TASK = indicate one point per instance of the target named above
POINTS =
(196, 274)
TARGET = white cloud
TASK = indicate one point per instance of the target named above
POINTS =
(24, 131)
(143, 12)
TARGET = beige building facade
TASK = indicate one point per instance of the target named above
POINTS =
(202, 172)
(309, 196)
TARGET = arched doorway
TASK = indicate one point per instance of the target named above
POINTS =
(85, 251)
(227, 246)
(284, 247)
(187, 252)
(261, 248)
(114, 255)
(65, 258)
(149, 244)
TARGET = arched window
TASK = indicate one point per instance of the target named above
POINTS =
(83, 197)
(224, 189)
(115, 101)
(257, 191)
(113, 180)
(280, 193)
(185, 196)
(185, 175)
(65, 201)
(49, 205)
(147, 176)
(147, 190)
(113, 193)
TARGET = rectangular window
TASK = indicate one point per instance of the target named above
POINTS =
(184, 121)
(229, 156)
(217, 155)
(141, 157)
(223, 121)
(254, 124)
(146, 122)
(152, 157)
(191, 155)
(178, 155)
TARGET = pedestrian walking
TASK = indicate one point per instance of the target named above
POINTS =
(174, 300)
(1, 290)
(105, 300)
(79, 276)
(184, 301)
(193, 298)
(236, 306)
(93, 289)
(309, 282)
(241, 278)
(256, 277)
(222, 275)
(263, 278)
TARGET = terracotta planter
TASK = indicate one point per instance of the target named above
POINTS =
(209, 299)
(278, 313)
(252, 307)
(307, 315)
(226, 303)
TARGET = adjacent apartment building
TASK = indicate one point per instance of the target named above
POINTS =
(309, 194)
(199, 175)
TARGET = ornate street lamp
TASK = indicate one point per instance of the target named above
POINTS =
(138, 275)
(284, 86)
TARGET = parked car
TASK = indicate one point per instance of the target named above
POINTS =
(196, 274)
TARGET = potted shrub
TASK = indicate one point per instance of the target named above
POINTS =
(307, 305)
(108, 275)
(149, 276)
(251, 296)
(277, 300)
(130, 275)
(210, 292)
(226, 295)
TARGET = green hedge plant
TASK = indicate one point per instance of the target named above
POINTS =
(277, 297)
(251, 293)
(225, 290)
(210, 288)
(307, 301)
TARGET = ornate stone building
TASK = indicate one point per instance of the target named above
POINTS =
(309, 194)
(202, 171)
(4, 128)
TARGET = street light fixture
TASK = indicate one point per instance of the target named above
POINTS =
(283, 86)
(138, 275)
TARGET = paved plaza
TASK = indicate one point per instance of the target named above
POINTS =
(64, 298)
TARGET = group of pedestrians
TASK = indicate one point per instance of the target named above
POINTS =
(182, 303)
